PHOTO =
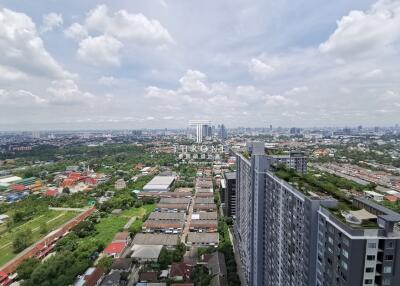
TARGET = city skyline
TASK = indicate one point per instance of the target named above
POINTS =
(124, 65)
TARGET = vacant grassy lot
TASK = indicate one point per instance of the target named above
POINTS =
(52, 220)
(109, 226)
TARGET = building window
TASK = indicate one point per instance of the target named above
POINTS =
(387, 269)
(386, 281)
(370, 257)
(390, 244)
(330, 240)
(369, 269)
(346, 241)
(344, 264)
(371, 245)
(345, 253)
(389, 257)
(368, 281)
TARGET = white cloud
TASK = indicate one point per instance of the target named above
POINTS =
(51, 21)
(107, 80)
(363, 33)
(67, 92)
(196, 94)
(20, 97)
(22, 48)
(76, 32)
(100, 51)
(103, 34)
(127, 26)
(373, 74)
(297, 90)
(193, 81)
(260, 69)
(9, 73)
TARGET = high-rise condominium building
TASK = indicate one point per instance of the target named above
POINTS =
(287, 236)
(229, 194)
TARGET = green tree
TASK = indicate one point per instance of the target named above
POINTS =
(22, 240)
(26, 268)
(105, 262)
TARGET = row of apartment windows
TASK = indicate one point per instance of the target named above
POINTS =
(385, 281)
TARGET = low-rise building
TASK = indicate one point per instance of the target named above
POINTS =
(175, 201)
(146, 253)
(207, 200)
(120, 184)
(374, 196)
(122, 264)
(202, 239)
(204, 225)
(159, 184)
(115, 249)
(122, 237)
(181, 271)
(198, 207)
(172, 207)
(91, 277)
(112, 279)
(166, 226)
(168, 240)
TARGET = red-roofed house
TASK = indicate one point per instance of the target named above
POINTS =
(90, 181)
(18, 188)
(4, 279)
(115, 249)
(94, 278)
(51, 193)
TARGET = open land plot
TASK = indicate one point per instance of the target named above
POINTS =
(51, 219)
(110, 225)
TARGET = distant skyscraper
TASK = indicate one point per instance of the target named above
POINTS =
(201, 128)
(36, 134)
(295, 131)
(222, 132)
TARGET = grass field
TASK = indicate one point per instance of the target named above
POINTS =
(109, 226)
(52, 219)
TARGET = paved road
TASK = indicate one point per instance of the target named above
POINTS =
(68, 209)
(129, 223)
(134, 277)
(188, 221)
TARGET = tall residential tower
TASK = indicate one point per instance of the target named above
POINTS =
(292, 234)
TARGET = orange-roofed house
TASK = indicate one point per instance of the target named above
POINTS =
(68, 183)
(74, 175)
(391, 198)
(115, 249)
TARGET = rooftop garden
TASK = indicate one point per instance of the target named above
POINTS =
(326, 184)
(317, 182)
(245, 154)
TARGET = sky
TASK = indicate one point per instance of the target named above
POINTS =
(160, 63)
